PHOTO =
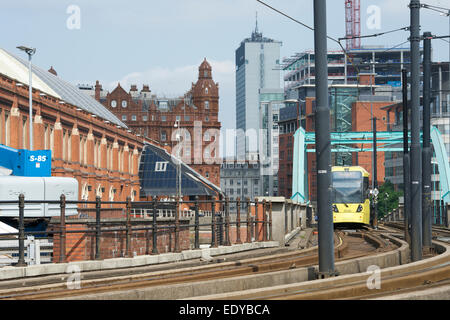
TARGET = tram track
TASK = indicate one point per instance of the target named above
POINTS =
(414, 277)
(272, 263)
(437, 231)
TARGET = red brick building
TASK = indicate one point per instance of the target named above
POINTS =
(288, 124)
(87, 141)
(194, 117)
(360, 122)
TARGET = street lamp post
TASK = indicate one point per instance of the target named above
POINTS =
(30, 52)
(448, 15)
(176, 125)
(178, 196)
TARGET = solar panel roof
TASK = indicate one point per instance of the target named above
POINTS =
(70, 93)
(158, 175)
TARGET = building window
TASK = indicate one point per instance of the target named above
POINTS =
(163, 136)
(124, 117)
(178, 118)
(113, 103)
(206, 118)
(144, 118)
(187, 118)
(206, 103)
(124, 103)
(187, 151)
(206, 90)
(163, 104)
(163, 118)
(133, 117)
(161, 166)
(207, 174)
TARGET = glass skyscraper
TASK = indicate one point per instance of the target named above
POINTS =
(257, 67)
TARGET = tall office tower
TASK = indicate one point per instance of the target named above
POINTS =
(257, 67)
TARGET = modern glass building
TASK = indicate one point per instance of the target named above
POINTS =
(257, 67)
(271, 101)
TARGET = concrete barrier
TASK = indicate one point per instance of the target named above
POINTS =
(108, 264)
(244, 286)
(287, 215)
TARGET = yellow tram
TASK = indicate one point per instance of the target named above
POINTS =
(350, 195)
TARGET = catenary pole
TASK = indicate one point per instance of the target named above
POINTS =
(416, 163)
(30, 101)
(323, 147)
(406, 172)
(375, 175)
(426, 150)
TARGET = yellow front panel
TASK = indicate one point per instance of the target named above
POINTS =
(349, 214)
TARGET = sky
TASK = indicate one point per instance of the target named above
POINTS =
(162, 43)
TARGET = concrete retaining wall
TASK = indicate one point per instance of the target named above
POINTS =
(62, 268)
(226, 288)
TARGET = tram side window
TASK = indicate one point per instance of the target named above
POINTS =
(366, 187)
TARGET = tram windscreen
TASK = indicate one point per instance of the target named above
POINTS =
(347, 187)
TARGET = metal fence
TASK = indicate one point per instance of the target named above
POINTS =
(216, 219)
(439, 210)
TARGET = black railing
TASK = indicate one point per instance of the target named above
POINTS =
(259, 226)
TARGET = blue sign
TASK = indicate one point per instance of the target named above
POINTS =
(394, 83)
(26, 163)
(36, 163)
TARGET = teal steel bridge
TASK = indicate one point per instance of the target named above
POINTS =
(346, 142)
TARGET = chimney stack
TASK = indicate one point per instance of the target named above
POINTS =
(52, 71)
(98, 88)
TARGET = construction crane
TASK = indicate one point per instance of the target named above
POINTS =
(353, 23)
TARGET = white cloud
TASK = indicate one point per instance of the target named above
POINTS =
(176, 81)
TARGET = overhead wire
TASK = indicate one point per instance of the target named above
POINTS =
(442, 10)
(338, 41)
(375, 34)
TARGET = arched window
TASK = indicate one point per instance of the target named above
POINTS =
(84, 192)
(99, 191)
(111, 193)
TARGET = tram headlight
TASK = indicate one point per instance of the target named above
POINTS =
(335, 209)
(360, 208)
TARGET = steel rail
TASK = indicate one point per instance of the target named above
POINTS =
(389, 285)
(411, 277)
(276, 262)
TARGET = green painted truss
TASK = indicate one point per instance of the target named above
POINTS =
(361, 142)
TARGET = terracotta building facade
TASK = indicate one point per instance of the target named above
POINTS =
(102, 156)
(187, 126)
